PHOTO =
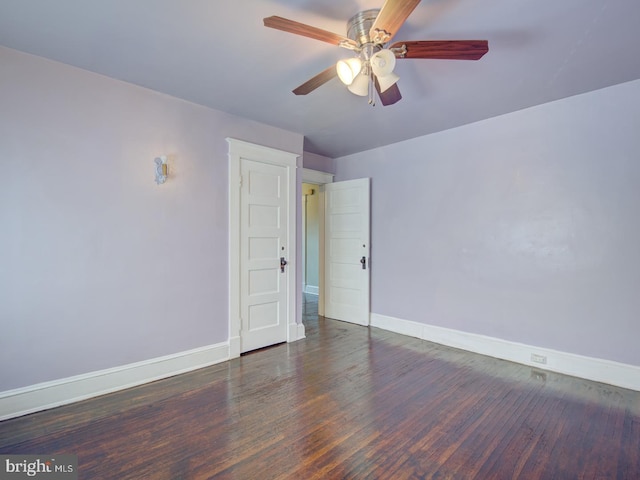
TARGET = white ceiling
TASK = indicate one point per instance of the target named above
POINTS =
(217, 53)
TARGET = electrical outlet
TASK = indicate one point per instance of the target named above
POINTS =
(535, 358)
(538, 375)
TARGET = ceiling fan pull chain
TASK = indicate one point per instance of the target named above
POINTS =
(372, 98)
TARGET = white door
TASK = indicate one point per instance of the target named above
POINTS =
(262, 273)
(347, 251)
(263, 234)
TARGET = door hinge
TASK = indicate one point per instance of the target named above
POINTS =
(240, 181)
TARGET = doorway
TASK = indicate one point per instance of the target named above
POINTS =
(343, 250)
(310, 253)
(310, 240)
(313, 250)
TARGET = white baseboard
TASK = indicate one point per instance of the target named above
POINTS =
(596, 369)
(42, 396)
(311, 289)
(234, 347)
(296, 332)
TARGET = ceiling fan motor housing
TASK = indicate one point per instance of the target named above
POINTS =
(360, 24)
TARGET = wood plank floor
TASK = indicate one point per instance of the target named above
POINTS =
(347, 402)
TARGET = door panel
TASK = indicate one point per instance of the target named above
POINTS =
(263, 237)
(346, 243)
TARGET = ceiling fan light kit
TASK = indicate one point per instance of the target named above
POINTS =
(348, 69)
(380, 64)
(387, 81)
(368, 35)
(383, 62)
(360, 86)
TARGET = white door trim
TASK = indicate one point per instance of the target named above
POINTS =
(239, 149)
(316, 177)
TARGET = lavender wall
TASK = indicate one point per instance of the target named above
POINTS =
(99, 266)
(524, 227)
(319, 162)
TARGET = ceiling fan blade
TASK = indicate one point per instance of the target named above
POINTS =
(298, 28)
(317, 81)
(391, 17)
(390, 96)
(444, 49)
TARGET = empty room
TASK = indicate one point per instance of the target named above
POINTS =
(375, 239)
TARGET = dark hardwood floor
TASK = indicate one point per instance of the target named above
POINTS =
(347, 402)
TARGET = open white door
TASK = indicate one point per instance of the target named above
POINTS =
(347, 251)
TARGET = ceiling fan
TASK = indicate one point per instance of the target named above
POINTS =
(369, 34)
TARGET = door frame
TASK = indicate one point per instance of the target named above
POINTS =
(239, 149)
(319, 178)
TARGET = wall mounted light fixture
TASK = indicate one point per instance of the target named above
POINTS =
(162, 170)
